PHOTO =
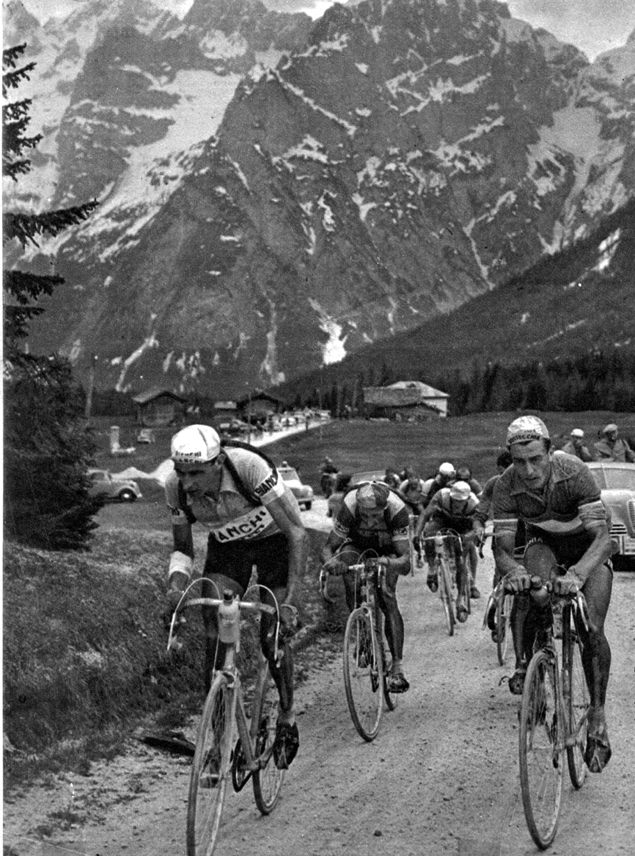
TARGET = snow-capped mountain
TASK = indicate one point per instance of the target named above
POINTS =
(275, 194)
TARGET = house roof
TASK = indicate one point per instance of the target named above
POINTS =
(425, 389)
(155, 392)
(259, 396)
(385, 396)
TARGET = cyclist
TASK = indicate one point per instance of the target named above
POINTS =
(411, 491)
(464, 473)
(454, 508)
(559, 501)
(253, 518)
(373, 517)
(327, 471)
(444, 477)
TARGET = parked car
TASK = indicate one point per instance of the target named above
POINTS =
(617, 485)
(302, 492)
(234, 428)
(103, 483)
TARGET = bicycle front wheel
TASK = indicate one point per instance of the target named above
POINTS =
(363, 674)
(541, 748)
(211, 769)
(268, 778)
(445, 593)
(389, 697)
(503, 626)
(576, 700)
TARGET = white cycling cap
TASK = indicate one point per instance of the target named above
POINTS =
(196, 444)
(447, 469)
(460, 490)
(526, 428)
(577, 432)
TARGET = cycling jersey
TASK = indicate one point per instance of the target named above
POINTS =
(380, 532)
(568, 504)
(443, 510)
(414, 495)
(233, 517)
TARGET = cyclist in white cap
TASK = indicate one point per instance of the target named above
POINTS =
(575, 446)
(374, 517)
(559, 502)
(454, 508)
(253, 519)
(446, 474)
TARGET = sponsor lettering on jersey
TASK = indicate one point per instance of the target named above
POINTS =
(245, 527)
(266, 485)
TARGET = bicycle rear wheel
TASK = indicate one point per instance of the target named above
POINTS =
(503, 626)
(445, 593)
(211, 769)
(268, 778)
(541, 745)
(576, 700)
(363, 674)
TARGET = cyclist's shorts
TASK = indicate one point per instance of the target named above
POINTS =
(235, 560)
(568, 549)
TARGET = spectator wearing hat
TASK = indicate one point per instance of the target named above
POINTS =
(374, 517)
(575, 446)
(611, 447)
(567, 525)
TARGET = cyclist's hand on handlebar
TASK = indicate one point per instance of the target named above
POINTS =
(566, 586)
(335, 567)
(517, 581)
(289, 621)
(172, 598)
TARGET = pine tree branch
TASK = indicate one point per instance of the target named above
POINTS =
(11, 55)
(26, 227)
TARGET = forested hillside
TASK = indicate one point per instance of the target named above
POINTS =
(560, 336)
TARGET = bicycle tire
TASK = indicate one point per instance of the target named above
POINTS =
(541, 748)
(503, 626)
(463, 584)
(267, 780)
(576, 699)
(214, 742)
(389, 697)
(445, 593)
(363, 674)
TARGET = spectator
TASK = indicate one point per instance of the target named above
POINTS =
(611, 447)
(334, 502)
(576, 447)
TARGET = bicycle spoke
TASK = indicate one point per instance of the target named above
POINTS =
(268, 778)
(362, 676)
(211, 771)
(541, 745)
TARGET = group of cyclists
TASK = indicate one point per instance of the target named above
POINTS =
(254, 519)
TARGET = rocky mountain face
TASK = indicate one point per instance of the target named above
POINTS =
(276, 194)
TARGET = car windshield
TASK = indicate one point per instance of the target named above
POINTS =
(289, 474)
(615, 478)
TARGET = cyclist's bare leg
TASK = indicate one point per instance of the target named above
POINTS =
(282, 670)
(596, 660)
(214, 650)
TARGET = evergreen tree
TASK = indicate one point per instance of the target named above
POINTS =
(47, 446)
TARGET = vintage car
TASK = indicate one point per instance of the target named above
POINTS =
(302, 492)
(104, 483)
(617, 485)
(371, 475)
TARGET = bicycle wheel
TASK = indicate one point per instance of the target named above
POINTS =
(503, 626)
(389, 697)
(211, 769)
(445, 593)
(576, 701)
(268, 778)
(541, 746)
(463, 584)
(362, 674)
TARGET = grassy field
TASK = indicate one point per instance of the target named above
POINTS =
(84, 645)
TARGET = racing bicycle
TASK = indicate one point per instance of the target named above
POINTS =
(553, 715)
(502, 602)
(232, 748)
(366, 656)
(452, 575)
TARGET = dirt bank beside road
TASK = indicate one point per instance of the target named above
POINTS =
(441, 778)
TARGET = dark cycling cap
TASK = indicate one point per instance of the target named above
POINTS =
(373, 495)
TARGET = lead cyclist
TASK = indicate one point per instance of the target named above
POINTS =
(253, 519)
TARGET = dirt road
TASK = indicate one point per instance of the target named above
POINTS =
(441, 778)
